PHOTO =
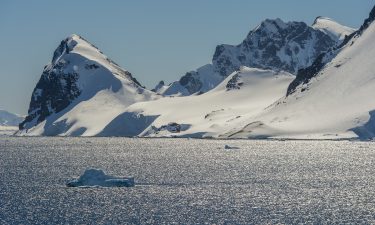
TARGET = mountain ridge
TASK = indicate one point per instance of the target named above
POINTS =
(273, 44)
(105, 100)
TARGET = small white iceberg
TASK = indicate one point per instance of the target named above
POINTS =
(97, 177)
(231, 147)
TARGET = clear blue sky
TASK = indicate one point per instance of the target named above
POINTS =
(154, 40)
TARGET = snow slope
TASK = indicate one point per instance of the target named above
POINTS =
(80, 92)
(242, 94)
(335, 30)
(337, 102)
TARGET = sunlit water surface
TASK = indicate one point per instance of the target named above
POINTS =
(187, 181)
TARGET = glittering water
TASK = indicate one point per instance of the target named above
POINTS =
(187, 181)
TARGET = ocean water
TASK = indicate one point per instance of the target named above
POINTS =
(181, 181)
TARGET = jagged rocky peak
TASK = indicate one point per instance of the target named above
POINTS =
(65, 47)
(275, 45)
(271, 25)
(77, 67)
(369, 20)
(158, 87)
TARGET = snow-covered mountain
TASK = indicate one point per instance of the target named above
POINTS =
(80, 92)
(9, 119)
(331, 99)
(242, 94)
(334, 98)
(274, 44)
(83, 93)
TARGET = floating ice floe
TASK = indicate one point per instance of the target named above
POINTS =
(97, 177)
(231, 147)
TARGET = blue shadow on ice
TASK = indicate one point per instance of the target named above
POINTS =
(367, 131)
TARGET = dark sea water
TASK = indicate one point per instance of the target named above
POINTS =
(180, 181)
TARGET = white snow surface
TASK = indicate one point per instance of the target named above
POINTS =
(105, 93)
(209, 114)
(338, 103)
(335, 30)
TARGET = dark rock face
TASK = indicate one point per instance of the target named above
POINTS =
(306, 74)
(191, 82)
(158, 86)
(368, 21)
(130, 76)
(55, 90)
(274, 45)
(171, 127)
(234, 83)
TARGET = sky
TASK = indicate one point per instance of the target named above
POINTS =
(154, 40)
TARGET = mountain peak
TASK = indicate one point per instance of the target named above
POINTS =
(272, 25)
(78, 72)
(74, 36)
(332, 28)
(274, 44)
(77, 44)
(321, 18)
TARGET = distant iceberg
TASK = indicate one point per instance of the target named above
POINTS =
(97, 177)
(230, 147)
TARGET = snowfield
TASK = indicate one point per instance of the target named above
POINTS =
(242, 94)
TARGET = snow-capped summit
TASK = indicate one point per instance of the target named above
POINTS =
(80, 92)
(274, 44)
(332, 99)
(335, 30)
